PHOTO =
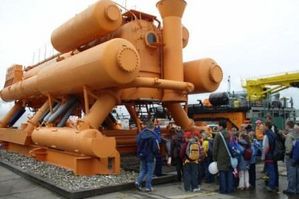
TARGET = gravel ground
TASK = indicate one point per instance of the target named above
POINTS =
(65, 178)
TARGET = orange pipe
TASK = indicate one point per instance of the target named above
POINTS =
(179, 115)
(116, 62)
(134, 116)
(161, 83)
(97, 20)
(100, 110)
(16, 108)
(171, 12)
(33, 122)
(111, 124)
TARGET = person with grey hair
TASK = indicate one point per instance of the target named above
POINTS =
(292, 170)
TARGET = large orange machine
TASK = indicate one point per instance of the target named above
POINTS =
(107, 58)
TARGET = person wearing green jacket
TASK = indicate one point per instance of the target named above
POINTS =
(221, 156)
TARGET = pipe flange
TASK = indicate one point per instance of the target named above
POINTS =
(128, 59)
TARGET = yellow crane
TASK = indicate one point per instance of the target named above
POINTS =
(260, 88)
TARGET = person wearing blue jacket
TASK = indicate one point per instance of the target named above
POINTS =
(147, 150)
(267, 156)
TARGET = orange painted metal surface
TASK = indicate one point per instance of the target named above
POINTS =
(90, 142)
(171, 12)
(14, 74)
(17, 136)
(97, 20)
(16, 108)
(99, 111)
(209, 72)
(235, 119)
(107, 58)
(33, 122)
(116, 62)
(81, 165)
(179, 115)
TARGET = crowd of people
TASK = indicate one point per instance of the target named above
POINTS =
(227, 157)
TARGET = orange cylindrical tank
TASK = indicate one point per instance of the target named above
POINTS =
(37, 67)
(89, 142)
(205, 74)
(110, 64)
(99, 19)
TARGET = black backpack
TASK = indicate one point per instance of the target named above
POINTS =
(278, 149)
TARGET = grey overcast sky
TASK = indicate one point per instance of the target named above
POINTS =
(248, 38)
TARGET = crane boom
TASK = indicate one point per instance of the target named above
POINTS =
(260, 88)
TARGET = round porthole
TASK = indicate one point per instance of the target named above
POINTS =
(151, 39)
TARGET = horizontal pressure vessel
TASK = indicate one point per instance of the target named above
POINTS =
(107, 65)
(89, 142)
(218, 99)
(97, 20)
(204, 74)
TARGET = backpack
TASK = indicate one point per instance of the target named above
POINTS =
(278, 149)
(192, 151)
(247, 155)
(144, 148)
(295, 152)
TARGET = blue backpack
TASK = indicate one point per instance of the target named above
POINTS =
(295, 152)
(144, 148)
